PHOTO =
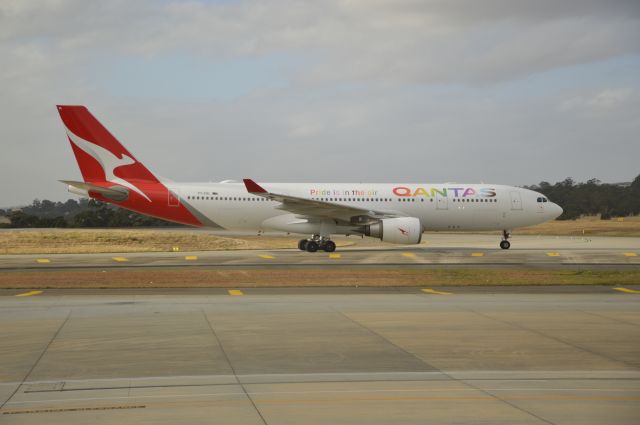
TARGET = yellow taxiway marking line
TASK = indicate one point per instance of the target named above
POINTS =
(630, 254)
(43, 260)
(191, 257)
(28, 294)
(334, 255)
(120, 259)
(627, 290)
(235, 292)
(433, 291)
(267, 257)
(409, 254)
(553, 254)
(477, 254)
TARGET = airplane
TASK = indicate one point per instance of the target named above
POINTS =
(395, 213)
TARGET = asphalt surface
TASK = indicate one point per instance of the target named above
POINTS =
(553, 355)
(439, 250)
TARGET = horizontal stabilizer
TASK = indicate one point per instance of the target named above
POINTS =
(115, 193)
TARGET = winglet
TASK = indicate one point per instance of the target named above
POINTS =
(253, 187)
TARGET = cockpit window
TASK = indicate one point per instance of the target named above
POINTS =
(545, 200)
(539, 199)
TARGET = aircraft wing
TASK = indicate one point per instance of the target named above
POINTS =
(314, 208)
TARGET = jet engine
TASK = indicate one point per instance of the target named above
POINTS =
(401, 230)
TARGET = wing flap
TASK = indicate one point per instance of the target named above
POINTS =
(324, 209)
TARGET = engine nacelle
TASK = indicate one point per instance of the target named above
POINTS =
(401, 230)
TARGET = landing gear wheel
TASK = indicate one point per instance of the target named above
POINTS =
(302, 245)
(329, 246)
(312, 246)
(505, 244)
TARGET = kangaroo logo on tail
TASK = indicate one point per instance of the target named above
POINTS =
(107, 160)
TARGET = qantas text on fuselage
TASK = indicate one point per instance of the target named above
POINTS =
(397, 213)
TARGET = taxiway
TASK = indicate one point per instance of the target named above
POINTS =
(289, 356)
(438, 250)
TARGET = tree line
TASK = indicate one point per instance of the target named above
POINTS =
(593, 198)
(72, 213)
(577, 199)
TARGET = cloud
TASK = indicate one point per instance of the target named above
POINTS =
(453, 42)
(508, 91)
(607, 99)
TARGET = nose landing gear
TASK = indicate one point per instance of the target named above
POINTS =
(315, 243)
(504, 243)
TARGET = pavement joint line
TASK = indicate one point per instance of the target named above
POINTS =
(626, 290)
(43, 260)
(434, 292)
(33, 366)
(453, 378)
(28, 294)
(630, 254)
(235, 292)
(554, 338)
(266, 257)
(233, 369)
(120, 259)
(191, 257)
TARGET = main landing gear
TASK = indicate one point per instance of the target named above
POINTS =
(504, 243)
(315, 243)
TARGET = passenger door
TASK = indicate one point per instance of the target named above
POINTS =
(516, 200)
(442, 201)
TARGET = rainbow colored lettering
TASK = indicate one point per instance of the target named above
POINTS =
(458, 192)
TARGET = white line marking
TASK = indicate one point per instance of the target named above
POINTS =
(373, 390)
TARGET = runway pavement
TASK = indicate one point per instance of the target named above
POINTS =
(370, 356)
(438, 250)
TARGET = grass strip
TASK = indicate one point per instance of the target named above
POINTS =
(218, 278)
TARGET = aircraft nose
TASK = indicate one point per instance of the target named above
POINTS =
(557, 210)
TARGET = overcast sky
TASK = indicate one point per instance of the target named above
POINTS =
(513, 91)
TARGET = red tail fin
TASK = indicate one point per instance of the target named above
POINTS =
(99, 153)
(105, 162)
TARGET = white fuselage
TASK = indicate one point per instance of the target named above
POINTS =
(437, 206)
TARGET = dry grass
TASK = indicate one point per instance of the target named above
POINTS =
(149, 240)
(104, 241)
(211, 278)
(586, 226)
